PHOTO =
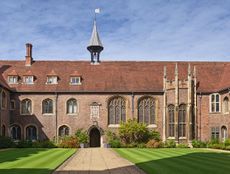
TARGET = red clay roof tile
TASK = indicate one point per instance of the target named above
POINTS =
(120, 76)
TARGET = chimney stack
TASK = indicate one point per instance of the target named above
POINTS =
(29, 59)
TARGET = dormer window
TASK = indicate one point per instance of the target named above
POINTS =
(75, 80)
(12, 79)
(52, 80)
(215, 102)
(28, 79)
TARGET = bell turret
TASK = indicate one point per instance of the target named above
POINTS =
(95, 46)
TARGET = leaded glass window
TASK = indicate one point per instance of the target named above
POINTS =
(63, 131)
(117, 110)
(47, 106)
(171, 121)
(215, 133)
(146, 110)
(16, 132)
(71, 106)
(215, 103)
(26, 106)
(226, 105)
(182, 120)
(31, 133)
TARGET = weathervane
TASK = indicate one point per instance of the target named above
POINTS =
(97, 11)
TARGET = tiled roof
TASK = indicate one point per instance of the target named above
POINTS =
(112, 76)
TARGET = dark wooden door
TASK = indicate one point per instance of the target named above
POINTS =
(95, 138)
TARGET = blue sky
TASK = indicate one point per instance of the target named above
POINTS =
(129, 29)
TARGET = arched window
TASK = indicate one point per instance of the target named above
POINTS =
(3, 130)
(16, 132)
(171, 121)
(117, 110)
(215, 103)
(26, 106)
(224, 133)
(182, 120)
(31, 133)
(71, 106)
(47, 106)
(146, 110)
(4, 100)
(226, 105)
(63, 131)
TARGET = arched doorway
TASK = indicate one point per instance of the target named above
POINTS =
(94, 137)
(224, 133)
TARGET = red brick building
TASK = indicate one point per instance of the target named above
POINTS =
(46, 99)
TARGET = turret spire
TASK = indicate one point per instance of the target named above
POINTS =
(95, 45)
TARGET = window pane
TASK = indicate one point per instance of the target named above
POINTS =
(117, 110)
(217, 98)
(146, 110)
(217, 107)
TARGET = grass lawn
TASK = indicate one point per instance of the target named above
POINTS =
(32, 161)
(178, 161)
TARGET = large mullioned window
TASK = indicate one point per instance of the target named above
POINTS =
(171, 120)
(117, 110)
(31, 133)
(146, 110)
(63, 131)
(47, 106)
(26, 106)
(16, 132)
(71, 106)
(182, 120)
(226, 105)
(215, 103)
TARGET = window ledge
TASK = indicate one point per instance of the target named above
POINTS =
(26, 114)
(152, 126)
(13, 83)
(214, 112)
(75, 84)
(48, 114)
(51, 83)
(74, 114)
(114, 125)
(182, 138)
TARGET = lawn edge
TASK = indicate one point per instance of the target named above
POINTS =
(64, 163)
(137, 168)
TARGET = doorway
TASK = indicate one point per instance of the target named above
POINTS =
(95, 138)
(224, 133)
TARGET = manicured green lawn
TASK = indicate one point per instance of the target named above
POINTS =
(178, 161)
(32, 161)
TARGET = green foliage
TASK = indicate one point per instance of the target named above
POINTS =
(82, 136)
(170, 144)
(132, 131)
(25, 144)
(6, 142)
(141, 145)
(113, 139)
(153, 144)
(69, 142)
(43, 144)
(227, 142)
(115, 143)
(199, 144)
(182, 145)
(154, 135)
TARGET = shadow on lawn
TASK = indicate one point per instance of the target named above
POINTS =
(193, 163)
(14, 154)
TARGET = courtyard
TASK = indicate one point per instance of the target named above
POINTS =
(121, 160)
